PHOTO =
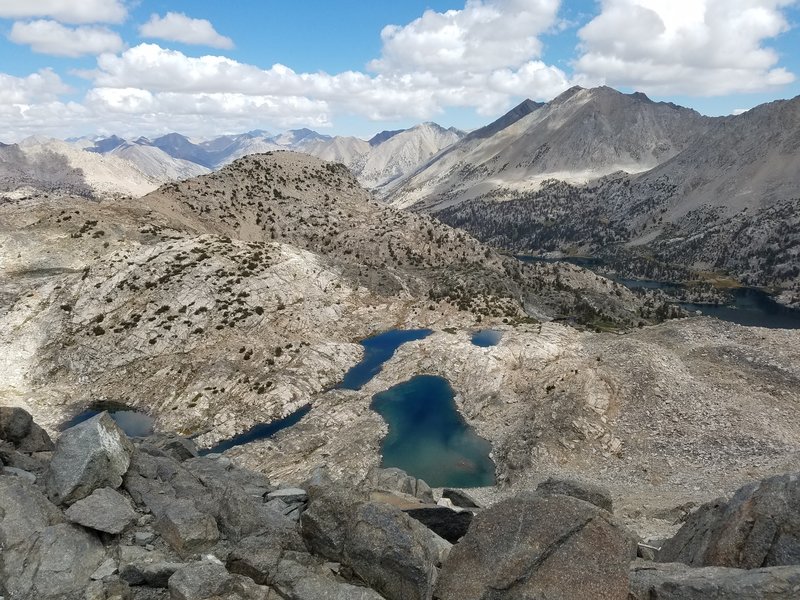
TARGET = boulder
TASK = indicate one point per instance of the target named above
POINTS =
(391, 552)
(58, 566)
(17, 427)
(186, 529)
(460, 499)
(676, 581)
(397, 480)
(583, 490)
(758, 527)
(24, 513)
(88, 456)
(324, 523)
(104, 510)
(174, 446)
(534, 546)
(108, 589)
(151, 574)
(200, 581)
(443, 521)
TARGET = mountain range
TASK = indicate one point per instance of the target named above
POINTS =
(593, 171)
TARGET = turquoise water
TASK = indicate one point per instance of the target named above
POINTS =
(377, 350)
(485, 338)
(428, 438)
(131, 421)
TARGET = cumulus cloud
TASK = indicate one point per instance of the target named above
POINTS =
(66, 11)
(44, 86)
(177, 27)
(483, 36)
(697, 47)
(49, 37)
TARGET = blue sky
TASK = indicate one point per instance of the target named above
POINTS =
(147, 67)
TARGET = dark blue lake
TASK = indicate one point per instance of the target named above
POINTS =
(485, 338)
(261, 431)
(377, 350)
(751, 306)
(131, 421)
(428, 437)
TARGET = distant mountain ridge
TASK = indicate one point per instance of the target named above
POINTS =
(579, 136)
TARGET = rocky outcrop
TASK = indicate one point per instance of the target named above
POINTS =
(555, 547)
(758, 527)
(200, 528)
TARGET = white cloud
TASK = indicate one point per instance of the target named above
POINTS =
(43, 86)
(484, 36)
(66, 11)
(696, 47)
(49, 37)
(177, 27)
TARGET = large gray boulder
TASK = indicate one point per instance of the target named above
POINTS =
(325, 522)
(391, 552)
(583, 490)
(534, 546)
(88, 456)
(103, 510)
(58, 566)
(17, 427)
(201, 581)
(676, 581)
(186, 529)
(758, 527)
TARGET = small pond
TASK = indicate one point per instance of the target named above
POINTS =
(486, 338)
(377, 350)
(133, 422)
(428, 438)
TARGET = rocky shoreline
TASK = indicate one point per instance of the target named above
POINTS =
(100, 516)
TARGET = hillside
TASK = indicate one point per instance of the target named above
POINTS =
(727, 203)
(579, 136)
(235, 297)
(50, 165)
